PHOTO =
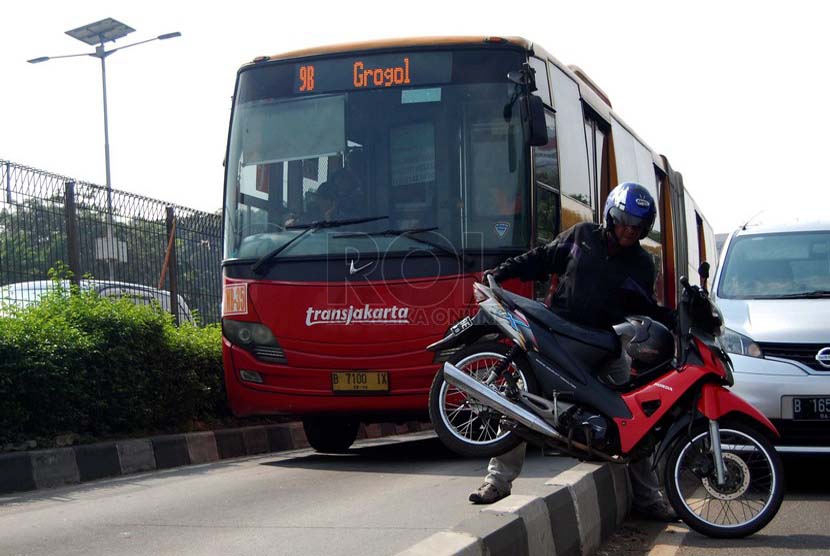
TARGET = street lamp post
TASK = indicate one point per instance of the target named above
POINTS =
(93, 34)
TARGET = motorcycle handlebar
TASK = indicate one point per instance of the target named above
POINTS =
(491, 281)
(691, 290)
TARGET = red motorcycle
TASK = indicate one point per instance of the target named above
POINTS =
(521, 373)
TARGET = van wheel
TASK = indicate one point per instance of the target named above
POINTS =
(333, 435)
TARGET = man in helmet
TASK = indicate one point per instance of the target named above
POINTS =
(604, 275)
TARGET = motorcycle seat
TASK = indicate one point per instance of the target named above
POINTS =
(605, 340)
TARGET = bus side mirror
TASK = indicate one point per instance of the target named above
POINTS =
(534, 120)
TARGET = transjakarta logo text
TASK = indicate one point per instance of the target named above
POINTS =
(357, 315)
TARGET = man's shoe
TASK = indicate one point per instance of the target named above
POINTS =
(658, 511)
(487, 494)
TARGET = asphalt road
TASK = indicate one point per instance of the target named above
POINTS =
(802, 525)
(381, 498)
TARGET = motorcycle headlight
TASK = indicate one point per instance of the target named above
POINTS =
(736, 343)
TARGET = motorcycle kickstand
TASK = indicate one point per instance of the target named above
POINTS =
(717, 453)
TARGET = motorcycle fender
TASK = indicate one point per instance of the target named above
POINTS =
(676, 428)
(716, 401)
(466, 331)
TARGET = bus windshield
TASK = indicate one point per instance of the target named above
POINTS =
(427, 141)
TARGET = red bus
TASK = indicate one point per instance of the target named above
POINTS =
(368, 185)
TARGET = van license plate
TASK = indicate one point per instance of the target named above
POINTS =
(813, 409)
(351, 382)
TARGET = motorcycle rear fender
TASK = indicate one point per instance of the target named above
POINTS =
(716, 401)
(466, 332)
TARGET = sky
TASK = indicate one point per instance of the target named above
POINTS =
(732, 92)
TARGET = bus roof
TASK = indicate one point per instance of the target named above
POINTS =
(393, 43)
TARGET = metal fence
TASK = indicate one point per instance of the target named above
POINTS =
(46, 219)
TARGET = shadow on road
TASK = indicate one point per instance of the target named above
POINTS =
(399, 457)
(791, 544)
(807, 475)
(424, 456)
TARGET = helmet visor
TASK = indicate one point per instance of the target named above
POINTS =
(621, 217)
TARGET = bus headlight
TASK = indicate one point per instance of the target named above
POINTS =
(254, 337)
(247, 334)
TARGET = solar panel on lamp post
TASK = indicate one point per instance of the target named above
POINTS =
(97, 34)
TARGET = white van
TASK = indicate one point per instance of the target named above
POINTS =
(22, 294)
(773, 288)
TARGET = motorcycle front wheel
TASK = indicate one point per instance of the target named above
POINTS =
(753, 486)
(464, 425)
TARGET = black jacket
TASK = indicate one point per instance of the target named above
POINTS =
(595, 288)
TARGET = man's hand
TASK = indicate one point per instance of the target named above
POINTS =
(487, 274)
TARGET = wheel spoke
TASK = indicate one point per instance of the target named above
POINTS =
(491, 428)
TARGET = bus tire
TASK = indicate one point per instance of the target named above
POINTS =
(332, 435)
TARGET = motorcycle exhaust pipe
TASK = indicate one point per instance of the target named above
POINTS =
(484, 395)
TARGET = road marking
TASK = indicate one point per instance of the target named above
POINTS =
(669, 541)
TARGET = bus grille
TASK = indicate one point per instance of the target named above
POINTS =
(270, 354)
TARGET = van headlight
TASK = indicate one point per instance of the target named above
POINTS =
(733, 342)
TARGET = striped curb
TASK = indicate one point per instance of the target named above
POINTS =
(26, 471)
(572, 514)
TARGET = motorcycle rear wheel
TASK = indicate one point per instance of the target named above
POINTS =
(465, 426)
(753, 489)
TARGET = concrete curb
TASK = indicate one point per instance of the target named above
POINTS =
(25, 471)
(572, 514)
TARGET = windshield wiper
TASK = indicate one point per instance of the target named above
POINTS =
(805, 295)
(307, 228)
(408, 232)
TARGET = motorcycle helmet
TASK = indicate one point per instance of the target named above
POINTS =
(652, 344)
(630, 204)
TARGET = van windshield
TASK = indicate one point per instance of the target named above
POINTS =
(779, 265)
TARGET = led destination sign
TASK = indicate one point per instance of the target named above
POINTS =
(373, 72)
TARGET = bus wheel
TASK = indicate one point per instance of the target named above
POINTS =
(332, 435)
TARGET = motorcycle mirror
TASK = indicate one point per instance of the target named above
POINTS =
(703, 272)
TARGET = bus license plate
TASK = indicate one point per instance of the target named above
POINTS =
(360, 381)
(815, 409)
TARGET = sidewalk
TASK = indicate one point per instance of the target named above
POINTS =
(39, 469)
(571, 514)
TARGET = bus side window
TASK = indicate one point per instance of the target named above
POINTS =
(541, 77)
(546, 180)
(547, 227)
(577, 201)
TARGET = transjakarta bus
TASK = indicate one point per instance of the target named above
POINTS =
(367, 187)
